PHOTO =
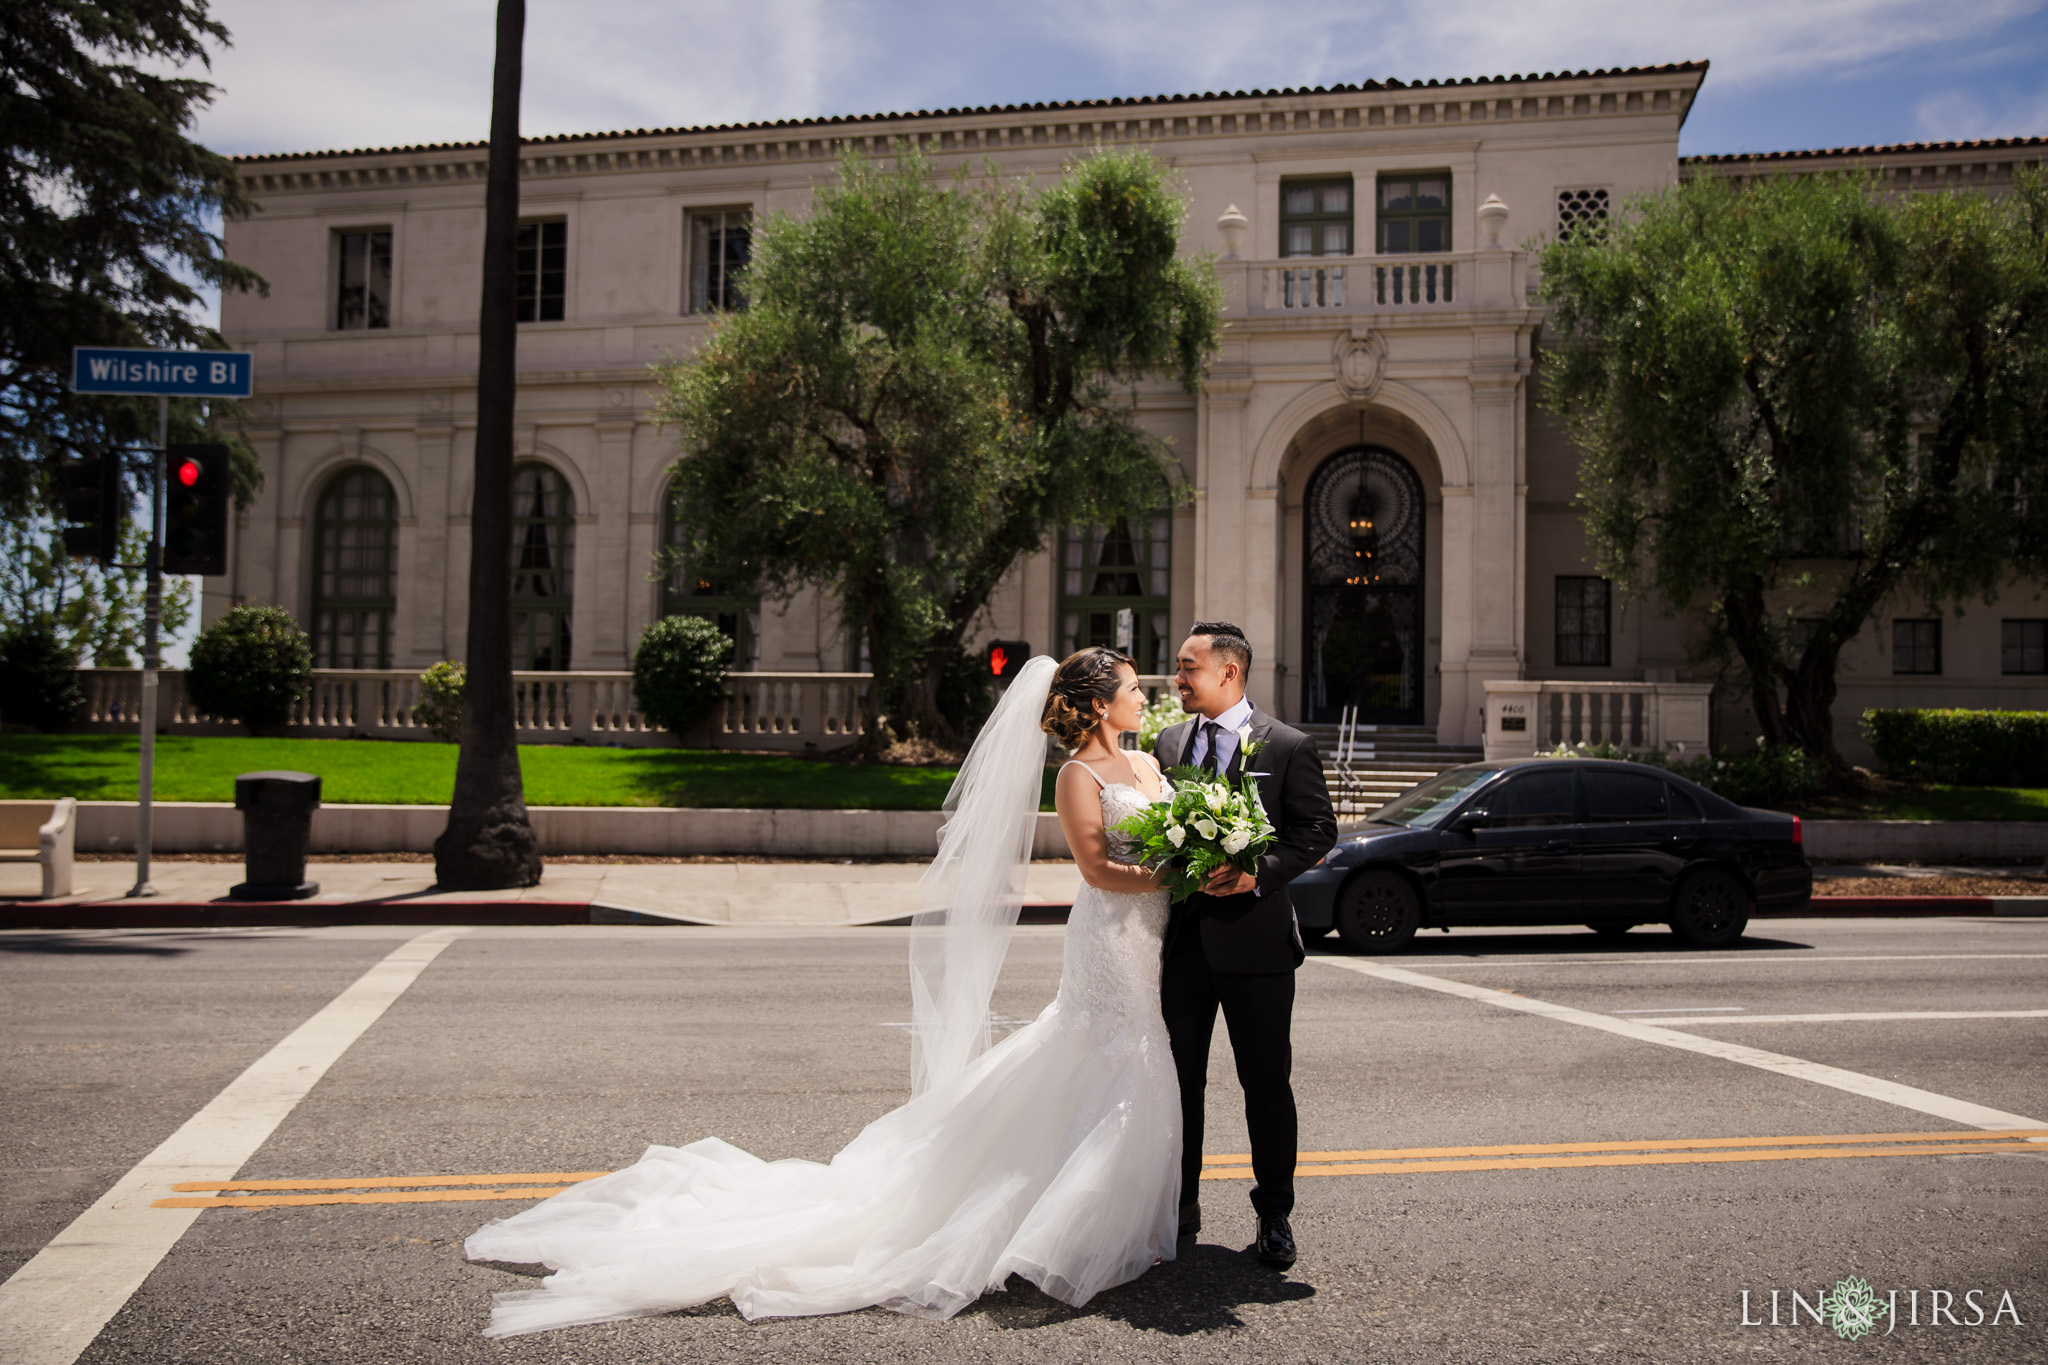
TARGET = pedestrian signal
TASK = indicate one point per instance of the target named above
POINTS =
(91, 490)
(1006, 657)
(196, 510)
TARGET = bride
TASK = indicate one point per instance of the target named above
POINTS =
(1053, 1154)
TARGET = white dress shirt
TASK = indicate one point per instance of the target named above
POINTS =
(1226, 736)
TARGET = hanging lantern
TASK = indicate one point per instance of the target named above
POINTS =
(1365, 541)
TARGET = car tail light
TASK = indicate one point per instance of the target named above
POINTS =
(1798, 833)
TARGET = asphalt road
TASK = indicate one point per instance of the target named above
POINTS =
(566, 1050)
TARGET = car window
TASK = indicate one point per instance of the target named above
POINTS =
(1683, 806)
(1423, 806)
(1615, 797)
(1533, 798)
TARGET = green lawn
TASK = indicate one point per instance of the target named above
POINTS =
(383, 772)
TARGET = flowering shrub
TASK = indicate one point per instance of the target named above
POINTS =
(1209, 823)
(439, 707)
(1160, 714)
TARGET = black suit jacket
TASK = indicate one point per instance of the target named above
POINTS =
(1251, 933)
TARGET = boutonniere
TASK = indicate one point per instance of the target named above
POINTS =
(1246, 745)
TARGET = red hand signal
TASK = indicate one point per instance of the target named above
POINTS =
(998, 659)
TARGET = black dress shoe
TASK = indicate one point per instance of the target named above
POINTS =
(1190, 1219)
(1276, 1242)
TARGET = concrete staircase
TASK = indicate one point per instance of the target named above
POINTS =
(1386, 761)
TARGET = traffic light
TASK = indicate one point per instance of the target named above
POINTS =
(92, 505)
(196, 510)
(1005, 657)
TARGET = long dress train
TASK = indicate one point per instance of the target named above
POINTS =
(1053, 1155)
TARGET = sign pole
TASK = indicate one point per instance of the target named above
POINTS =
(163, 375)
(152, 616)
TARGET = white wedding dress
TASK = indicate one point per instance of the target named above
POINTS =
(1054, 1155)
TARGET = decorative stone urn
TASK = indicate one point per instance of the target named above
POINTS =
(1493, 216)
(1231, 227)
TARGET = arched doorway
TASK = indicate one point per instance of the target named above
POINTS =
(1362, 636)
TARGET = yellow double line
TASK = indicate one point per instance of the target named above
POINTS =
(1526, 1156)
(1536, 1156)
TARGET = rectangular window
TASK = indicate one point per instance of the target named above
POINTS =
(1415, 212)
(363, 296)
(1104, 570)
(1315, 217)
(2023, 646)
(1582, 620)
(543, 250)
(1916, 646)
(721, 244)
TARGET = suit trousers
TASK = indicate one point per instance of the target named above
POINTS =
(1258, 1010)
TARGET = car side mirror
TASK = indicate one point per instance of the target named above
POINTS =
(1471, 820)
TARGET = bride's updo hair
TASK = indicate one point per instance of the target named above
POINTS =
(1082, 679)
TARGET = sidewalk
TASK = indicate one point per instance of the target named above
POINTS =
(569, 893)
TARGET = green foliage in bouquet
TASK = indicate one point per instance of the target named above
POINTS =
(1209, 822)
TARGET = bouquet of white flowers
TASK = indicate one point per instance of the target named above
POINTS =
(1209, 822)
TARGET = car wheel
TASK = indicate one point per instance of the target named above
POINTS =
(1378, 912)
(1610, 930)
(1710, 910)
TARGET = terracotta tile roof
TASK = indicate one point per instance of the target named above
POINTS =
(1891, 149)
(1143, 101)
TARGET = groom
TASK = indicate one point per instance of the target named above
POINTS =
(1235, 943)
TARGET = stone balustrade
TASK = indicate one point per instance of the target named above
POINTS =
(1525, 716)
(785, 711)
(1379, 284)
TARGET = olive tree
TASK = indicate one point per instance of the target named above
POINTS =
(1801, 400)
(928, 379)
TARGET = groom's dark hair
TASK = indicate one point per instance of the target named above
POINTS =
(1229, 641)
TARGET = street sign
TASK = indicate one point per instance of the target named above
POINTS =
(172, 374)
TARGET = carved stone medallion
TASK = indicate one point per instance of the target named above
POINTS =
(1360, 355)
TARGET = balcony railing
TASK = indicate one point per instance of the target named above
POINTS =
(789, 711)
(1524, 717)
(1378, 284)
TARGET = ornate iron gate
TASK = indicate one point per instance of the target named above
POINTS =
(1362, 589)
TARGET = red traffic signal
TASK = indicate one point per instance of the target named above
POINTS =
(1006, 657)
(196, 510)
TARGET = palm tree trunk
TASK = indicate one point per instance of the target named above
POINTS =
(489, 842)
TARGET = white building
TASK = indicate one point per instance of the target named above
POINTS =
(1376, 368)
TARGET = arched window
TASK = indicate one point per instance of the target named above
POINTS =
(543, 553)
(355, 547)
(729, 606)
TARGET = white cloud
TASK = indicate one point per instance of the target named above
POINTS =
(1959, 116)
(1216, 44)
(304, 75)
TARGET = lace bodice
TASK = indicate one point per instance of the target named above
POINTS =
(1111, 967)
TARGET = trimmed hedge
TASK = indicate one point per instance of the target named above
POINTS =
(679, 671)
(1973, 748)
(250, 666)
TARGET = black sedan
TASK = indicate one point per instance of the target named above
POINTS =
(1555, 841)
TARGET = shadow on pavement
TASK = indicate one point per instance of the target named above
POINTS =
(1199, 1292)
(1643, 943)
(76, 945)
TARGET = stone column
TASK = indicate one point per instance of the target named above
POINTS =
(612, 582)
(428, 639)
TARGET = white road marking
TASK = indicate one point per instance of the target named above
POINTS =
(1690, 1009)
(1855, 1018)
(53, 1307)
(1855, 1082)
(1684, 960)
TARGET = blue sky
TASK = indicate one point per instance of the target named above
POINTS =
(1803, 73)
